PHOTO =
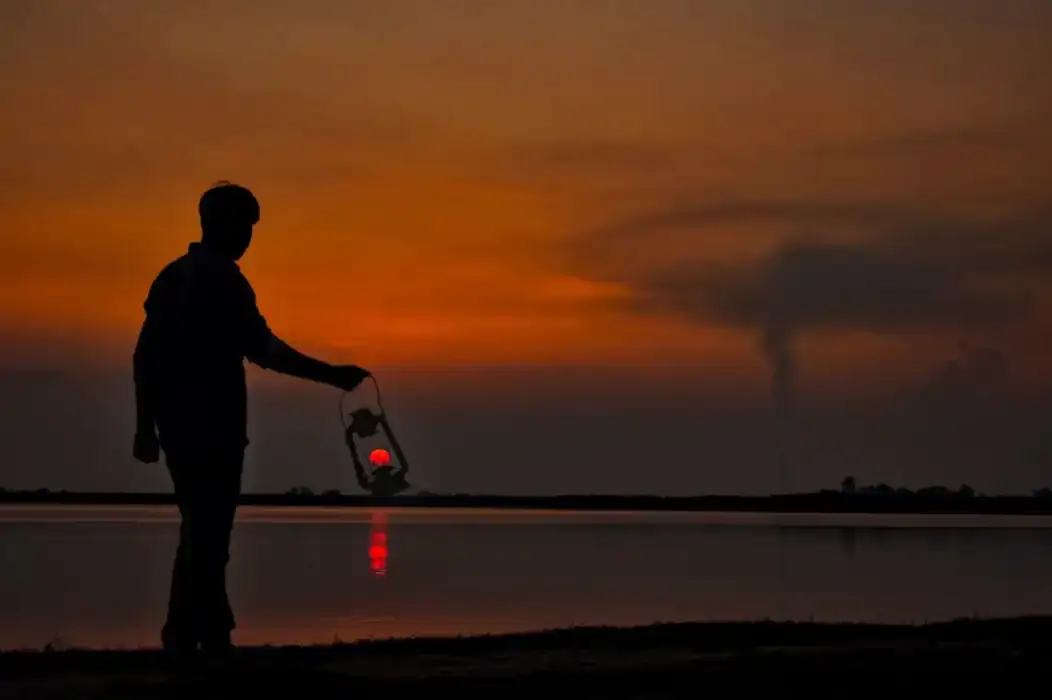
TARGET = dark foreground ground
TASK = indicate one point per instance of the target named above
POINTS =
(1009, 658)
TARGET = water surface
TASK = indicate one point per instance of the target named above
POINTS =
(98, 576)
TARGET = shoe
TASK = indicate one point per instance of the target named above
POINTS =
(217, 649)
(182, 657)
(178, 649)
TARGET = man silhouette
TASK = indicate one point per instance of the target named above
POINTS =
(191, 399)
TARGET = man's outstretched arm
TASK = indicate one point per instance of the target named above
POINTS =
(403, 464)
(266, 350)
(278, 356)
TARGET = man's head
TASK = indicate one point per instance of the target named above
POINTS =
(228, 212)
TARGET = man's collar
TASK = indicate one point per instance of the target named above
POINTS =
(199, 248)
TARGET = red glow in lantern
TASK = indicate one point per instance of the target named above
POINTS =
(380, 457)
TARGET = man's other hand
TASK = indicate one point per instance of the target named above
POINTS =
(147, 448)
(349, 377)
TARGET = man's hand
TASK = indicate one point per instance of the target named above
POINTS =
(348, 377)
(147, 448)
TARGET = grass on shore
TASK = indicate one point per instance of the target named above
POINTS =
(1005, 658)
(697, 638)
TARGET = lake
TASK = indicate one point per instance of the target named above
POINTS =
(98, 576)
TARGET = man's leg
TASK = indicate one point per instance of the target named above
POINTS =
(218, 509)
(178, 635)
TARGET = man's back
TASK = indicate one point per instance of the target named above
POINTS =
(201, 323)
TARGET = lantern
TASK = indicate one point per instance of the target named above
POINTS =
(385, 480)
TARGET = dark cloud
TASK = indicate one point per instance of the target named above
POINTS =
(863, 267)
(684, 231)
(973, 370)
(881, 285)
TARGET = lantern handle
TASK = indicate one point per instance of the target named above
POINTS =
(359, 468)
(379, 403)
(403, 465)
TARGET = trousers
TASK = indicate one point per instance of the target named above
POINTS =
(207, 484)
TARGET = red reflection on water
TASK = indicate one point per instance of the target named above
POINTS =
(378, 544)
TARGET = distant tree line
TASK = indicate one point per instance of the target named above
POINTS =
(848, 487)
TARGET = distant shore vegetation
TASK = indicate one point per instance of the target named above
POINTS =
(851, 497)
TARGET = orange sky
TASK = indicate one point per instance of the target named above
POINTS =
(424, 174)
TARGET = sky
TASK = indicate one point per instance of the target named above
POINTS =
(571, 238)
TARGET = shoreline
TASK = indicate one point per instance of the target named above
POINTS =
(810, 503)
(652, 661)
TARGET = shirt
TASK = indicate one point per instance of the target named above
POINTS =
(201, 323)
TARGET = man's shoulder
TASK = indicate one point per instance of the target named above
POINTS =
(167, 277)
(200, 270)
